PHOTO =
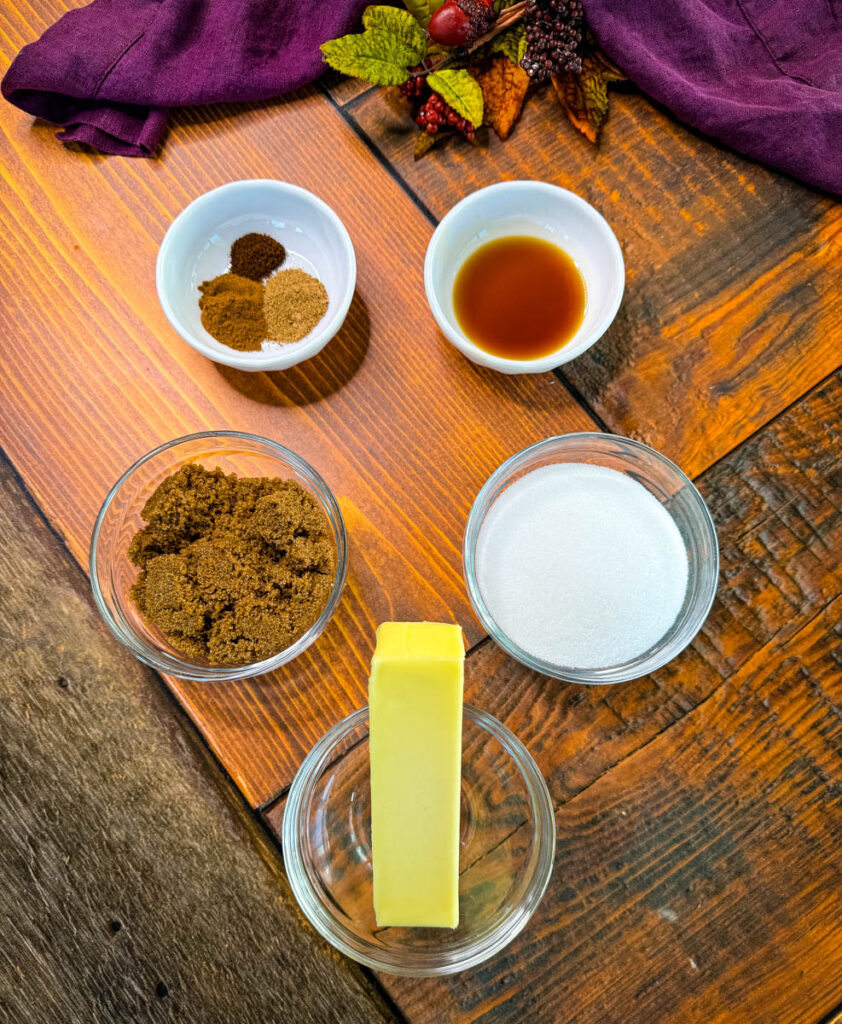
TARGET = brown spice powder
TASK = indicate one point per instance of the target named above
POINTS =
(232, 311)
(255, 255)
(233, 569)
(294, 302)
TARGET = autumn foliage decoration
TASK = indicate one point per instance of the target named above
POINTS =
(462, 64)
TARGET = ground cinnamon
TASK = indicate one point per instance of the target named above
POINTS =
(233, 569)
(232, 311)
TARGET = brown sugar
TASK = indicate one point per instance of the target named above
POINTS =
(232, 311)
(233, 569)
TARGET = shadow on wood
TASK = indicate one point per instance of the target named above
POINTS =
(315, 379)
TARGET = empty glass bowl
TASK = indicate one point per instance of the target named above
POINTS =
(673, 490)
(507, 845)
(113, 573)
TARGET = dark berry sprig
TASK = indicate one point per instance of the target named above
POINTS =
(554, 31)
(435, 115)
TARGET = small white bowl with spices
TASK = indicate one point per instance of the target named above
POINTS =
(197, 249)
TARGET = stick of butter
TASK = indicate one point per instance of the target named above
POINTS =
(415, 715)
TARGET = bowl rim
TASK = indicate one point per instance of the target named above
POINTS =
(635, 667)
(184, 668)
(257, 361)
(567, 352)
(339, 936)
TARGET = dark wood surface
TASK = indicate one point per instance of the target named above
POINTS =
(699, 875)
(136, 884)
(684, 800)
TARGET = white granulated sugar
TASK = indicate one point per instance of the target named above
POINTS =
(581, 566)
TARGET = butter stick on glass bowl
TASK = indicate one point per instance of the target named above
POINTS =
(113, 573)
(507, 846)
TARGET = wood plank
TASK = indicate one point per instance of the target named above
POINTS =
(94, 377)
(776, 504)
(732, 307)
(342, 89)
(701, 879)
(136, 885)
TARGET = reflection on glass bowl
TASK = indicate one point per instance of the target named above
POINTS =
(507, 845)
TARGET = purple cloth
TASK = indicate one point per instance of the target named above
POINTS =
(109, 72)
(764, 76)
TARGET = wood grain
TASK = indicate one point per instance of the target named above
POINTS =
(699, 880)
(732, 307)
(776, 504)
(136, 885)
(404, 430)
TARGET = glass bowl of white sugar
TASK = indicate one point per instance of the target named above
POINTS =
(591, 558)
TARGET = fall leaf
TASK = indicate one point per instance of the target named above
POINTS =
(511, 42)
(610, 71)
(398, 23)
(422, 10)
(504, 87)
(459, 90)
(424, 142)
(374, 55)
(584, 97)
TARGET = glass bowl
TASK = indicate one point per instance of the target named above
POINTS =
(112, 573)
(678, 496)
(507, 845)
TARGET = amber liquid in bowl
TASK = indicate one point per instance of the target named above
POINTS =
(519, 297)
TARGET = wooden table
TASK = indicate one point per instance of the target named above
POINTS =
(699, 810)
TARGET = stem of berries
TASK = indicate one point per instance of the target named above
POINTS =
(435, 114)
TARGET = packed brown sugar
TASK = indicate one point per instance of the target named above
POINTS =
(233, 569)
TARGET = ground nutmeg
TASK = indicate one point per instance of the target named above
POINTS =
(233, 569)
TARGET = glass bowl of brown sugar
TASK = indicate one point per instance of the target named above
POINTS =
(219, 555)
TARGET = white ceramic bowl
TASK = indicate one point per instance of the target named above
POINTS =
(544, 211)
(197, 244)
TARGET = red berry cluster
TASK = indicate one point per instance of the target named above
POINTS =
(414, 88)
(435, 114)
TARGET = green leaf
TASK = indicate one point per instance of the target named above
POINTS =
(511, 43)
(423, 10)
(461, 91)
(420, 10)
(374, 55)
(400, 24)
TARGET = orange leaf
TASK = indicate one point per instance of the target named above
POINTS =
(504, 87)
(584, 97)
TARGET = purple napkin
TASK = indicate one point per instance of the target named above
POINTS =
(764, 76)
(109, 72)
